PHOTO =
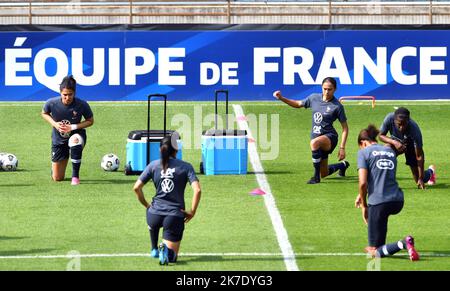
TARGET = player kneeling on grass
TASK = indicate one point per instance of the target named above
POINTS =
(64, 113)
(167, 210)
(406, 138)
(377, 166)
(324, 138)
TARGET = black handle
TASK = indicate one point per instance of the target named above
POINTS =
(226, 106)
(148, 120)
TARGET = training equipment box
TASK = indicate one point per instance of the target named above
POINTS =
(137, 149)
(224, 152)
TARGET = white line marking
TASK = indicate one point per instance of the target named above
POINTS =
(269, 200)
(137, 255)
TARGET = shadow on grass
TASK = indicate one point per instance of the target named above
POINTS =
(107, 181)
(427, 187)
(24, 252)
(187, 260)
(12, 237)
(272, 173)
(17, 185)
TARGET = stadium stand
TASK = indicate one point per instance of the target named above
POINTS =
(225, 12)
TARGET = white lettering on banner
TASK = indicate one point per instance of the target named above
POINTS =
(290, 68)
(427, 65)
(377, 70)
(361, 62)
(228, 72)
(333, 54)
(123, 66)
(397, 65)
(98, 67)
(62, 67)
(166, 66)
(260, 66)
(12, 66)
(132, 69)
(215, 74)
(114, 66)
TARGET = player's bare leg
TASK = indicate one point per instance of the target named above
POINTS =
(59, 170)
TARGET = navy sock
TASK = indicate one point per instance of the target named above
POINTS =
(154, 237)
(335, 167)
(76, 153)
(427, 175)
(76, 169)
(390, 249)
(172, 256)
(316, 159)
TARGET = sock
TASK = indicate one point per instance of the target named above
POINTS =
(390, 249)
(154, 233)
(316, 159)
(76, 154)
(427, 175)
(172, 256)
(76, 169)
(335, 167)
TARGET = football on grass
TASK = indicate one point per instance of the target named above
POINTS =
(110, 162)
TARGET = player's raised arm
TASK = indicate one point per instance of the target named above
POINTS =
(290, 102)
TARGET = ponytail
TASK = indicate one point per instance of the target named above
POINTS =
(370, 134)
(167, 150)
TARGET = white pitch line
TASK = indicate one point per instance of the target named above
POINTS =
(137, 255)
(269, 200)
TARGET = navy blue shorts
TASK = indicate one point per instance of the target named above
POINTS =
(378, 221)
(61, 152)
(173, 226)
(410, 156)
(334, 141)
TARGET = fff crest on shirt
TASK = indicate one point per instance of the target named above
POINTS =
(74, 114)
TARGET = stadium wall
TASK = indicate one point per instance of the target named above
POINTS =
(189, 62)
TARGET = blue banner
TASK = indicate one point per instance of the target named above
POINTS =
(190, 65)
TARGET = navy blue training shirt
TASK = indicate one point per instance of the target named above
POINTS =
(324, 114)
(412, 134)
(170, 185)
(70, 113)
(381, 163)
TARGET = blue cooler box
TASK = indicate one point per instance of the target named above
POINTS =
(224, 152)
(137, 149)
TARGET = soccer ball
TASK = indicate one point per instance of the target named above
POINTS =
(9, 162)
(110, 162)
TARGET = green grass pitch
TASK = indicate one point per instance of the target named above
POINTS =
(232, 229)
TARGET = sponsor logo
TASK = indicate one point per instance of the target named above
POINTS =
(385, 164)
(317, 117)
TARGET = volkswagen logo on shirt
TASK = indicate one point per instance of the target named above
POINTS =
(317, 117)
(167, 185)
(385, 164)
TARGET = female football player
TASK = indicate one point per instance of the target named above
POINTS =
(167, 209)
(324, 138)
(379, 194)
(65, 114)
(406, 138)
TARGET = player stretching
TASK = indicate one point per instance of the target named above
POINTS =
(406, 138)
(377, 165)
(324, 138)
(167, 210)
(64, 113)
